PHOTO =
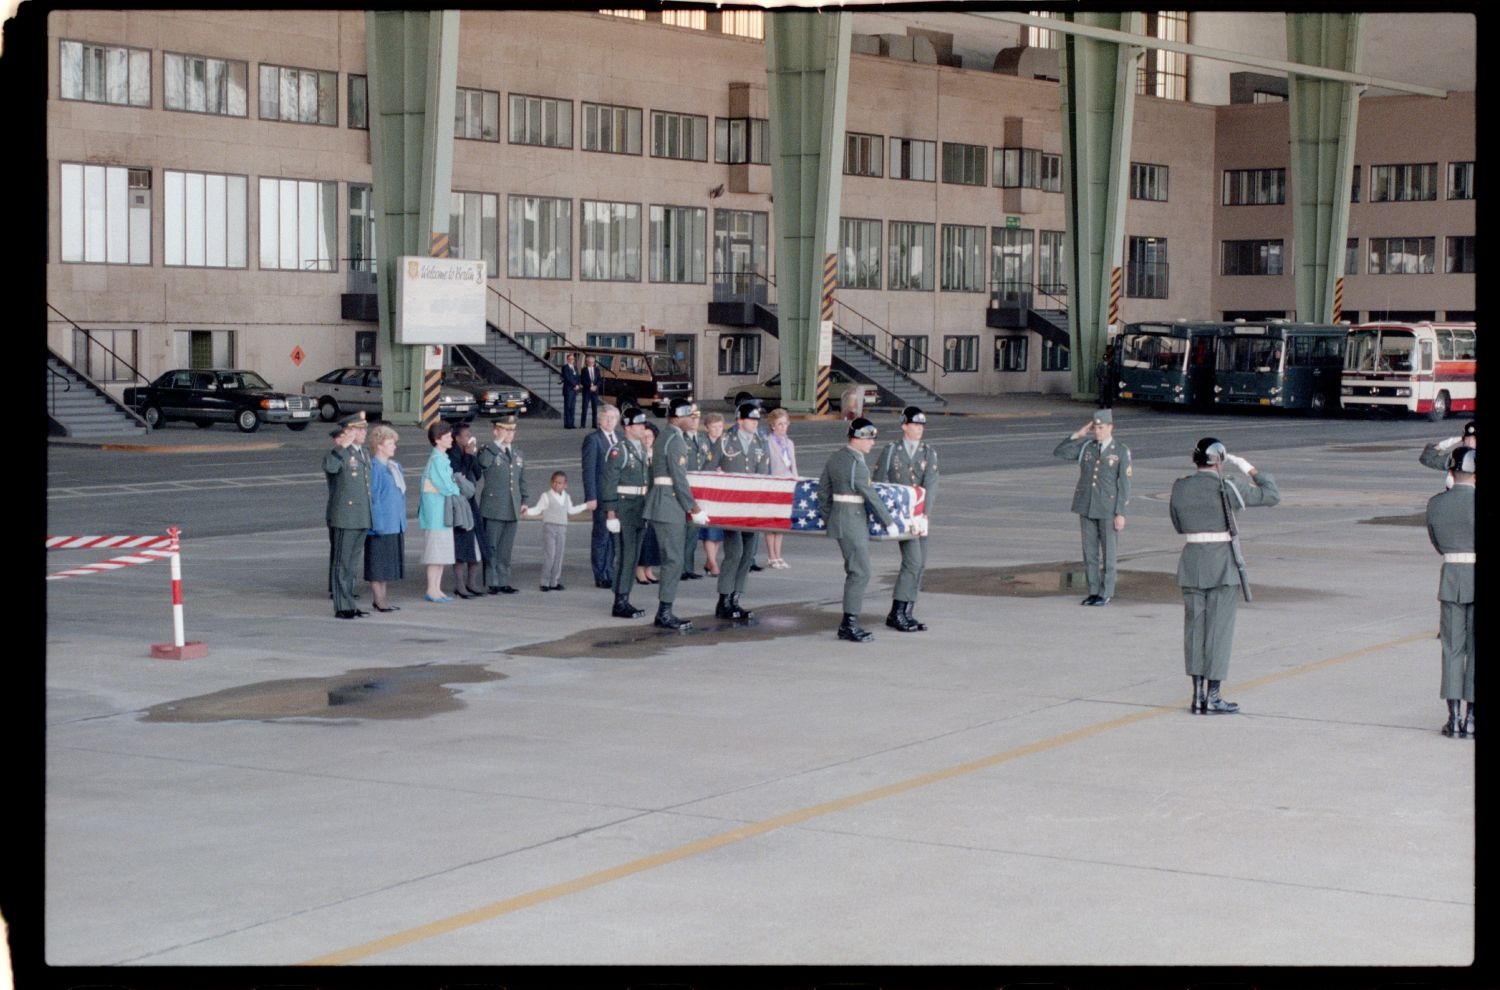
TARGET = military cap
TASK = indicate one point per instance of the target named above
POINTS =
(338, 432)
(354, 419)
(1208, 451)
(1104, 416)
(1463, 460)
(504, 422)
(633, 416)
(747, 397)
(749, 410)
(862, 429)
(1469, 428)
(684, 407)
(911, 414)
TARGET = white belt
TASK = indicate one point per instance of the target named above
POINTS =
(631, 489)
(848, 498)
(1458, 558)
(1207, 537)
(663, 479)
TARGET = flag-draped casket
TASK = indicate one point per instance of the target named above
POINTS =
(761, 502)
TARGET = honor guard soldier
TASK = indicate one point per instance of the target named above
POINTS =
(348, 516)
(740, 451)
(1437, 454)
(1210, 571)
(844, 489)
(668, 504)
(501, 503)
(910, 461)
(1103, 489)
(626, 479)
(701, 459)
(1450, 525)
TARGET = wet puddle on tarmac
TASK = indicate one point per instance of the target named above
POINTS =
(1414, 519)
(381, 692)
(1047, 580)
(638, 638)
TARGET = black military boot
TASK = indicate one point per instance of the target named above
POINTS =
(1215, 705)
(1200, 695)
(728, 608)
(1469, 721)
(897, 619)
(741, 613)
(1454, 726)
(850, 629)
(916, 625)
(666, 620)
(624, 610)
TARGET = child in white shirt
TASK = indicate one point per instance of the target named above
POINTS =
(555, 506)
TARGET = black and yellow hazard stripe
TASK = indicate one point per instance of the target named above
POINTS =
(432, 381)
(439, 245)
(830, 279)
(1338, 300)
(1114, 296)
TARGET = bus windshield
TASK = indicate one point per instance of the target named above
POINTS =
(1254, 354)
(1155, 351)
(1381, 350)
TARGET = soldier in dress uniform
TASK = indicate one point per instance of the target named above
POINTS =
(625, 480)
(668, 504)
(1437, 454)
(1450, 526)
(702, 449)
(1206, 572)
(739, 451)
(356, 424)
(844, 489)
(348, 515)
(1103, 489)
(910, 461)
(502, 502)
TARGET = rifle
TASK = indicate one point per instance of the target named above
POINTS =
(1234, 539)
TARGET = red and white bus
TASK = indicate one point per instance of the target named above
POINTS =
(1425, 368)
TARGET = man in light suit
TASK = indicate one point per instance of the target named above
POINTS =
(572, 386)
(596, 447)
(1450, 526)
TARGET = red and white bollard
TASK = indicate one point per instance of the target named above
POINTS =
(178, 649)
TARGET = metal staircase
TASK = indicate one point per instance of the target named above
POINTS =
(76, 407)
(503, 356)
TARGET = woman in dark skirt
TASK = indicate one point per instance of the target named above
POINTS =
(385, 543)
(468, 544)
(650, 555)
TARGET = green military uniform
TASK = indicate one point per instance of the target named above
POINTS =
(348, 518)
(1450, 526)
(1206, 571)
(668, 504)
(917, 467)
(1102, 493)
(624, 483)
(844, 489)
(500, 505)
(739, 453)
(701, 460)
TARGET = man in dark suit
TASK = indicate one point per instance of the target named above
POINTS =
(572, 385)
(591, 381)
(596, 447)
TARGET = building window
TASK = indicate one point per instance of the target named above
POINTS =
(912, 246)
(476, 115)
(1148, 182)
(361, 228)
(1010, 352)
(203, 348)
(1146, 270)
(105, 355)
(1052, 263)
(913, 159)
(1351, 256)
(683, 136)
(106, 214)
(742, 140)
(1354, 186)
(864, 154)
(616, 130)
(1028, 168)
(1010, 260)
(1401, 255)
(695, 19)
(474, 229)
(1252, 258)
(1460, 180)
(105, 73)
(1055, 356)
(358, 110)
(743, 23)
(609, 340)
(740, 239)
(963, 164)
(303, 96)
(609, 242)
(909, 353)
(540, 237)
(1254, 187)
(203, 219)
(859, 254)
(961, 353)
(1460, 256)
(298, 225)
(538, 120)
(1164, 73)
(679, 239)
(1403, 183)
(1042, 37)
(199, 84)
(963, 258)
(739, 354)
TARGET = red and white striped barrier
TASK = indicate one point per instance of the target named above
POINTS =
(149, 548)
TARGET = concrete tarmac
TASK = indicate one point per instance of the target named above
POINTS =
(523, 780)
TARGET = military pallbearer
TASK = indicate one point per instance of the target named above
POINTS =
(739, 451)
(910, 461)
(1450, 526)
(622, 496)
(844, 489)
(669, 503)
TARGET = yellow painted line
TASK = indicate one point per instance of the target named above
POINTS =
(532, 898)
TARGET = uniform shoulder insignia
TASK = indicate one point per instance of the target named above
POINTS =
(1127, 470)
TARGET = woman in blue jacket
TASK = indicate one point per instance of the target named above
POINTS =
(385, 544)
(437, 484)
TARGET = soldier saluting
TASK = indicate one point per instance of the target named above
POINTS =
(624, 483)
(910, 461)
(348, 510)
(844, 489)
(1450, 526)
(1103, 489)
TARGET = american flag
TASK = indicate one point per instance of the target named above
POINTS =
(759, 501)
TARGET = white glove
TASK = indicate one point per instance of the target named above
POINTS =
(613, 525)
(700, 517)
(1449, 444)
(893, 530)
(1236, 461)
(919, 525)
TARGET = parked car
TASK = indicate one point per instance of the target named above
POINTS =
(649, 379)
(491, 398)
(352, 389)
(769, 391)
(209, 396)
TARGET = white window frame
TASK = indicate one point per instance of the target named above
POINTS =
(95, 73)
(298, 225)
(106, 214)
(913, 159)
(205, 219)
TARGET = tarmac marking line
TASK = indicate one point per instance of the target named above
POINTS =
(600, 877)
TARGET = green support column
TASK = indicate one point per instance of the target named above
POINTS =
(1098, 103)
(412, 66)
(807, 67)
(1323, 116)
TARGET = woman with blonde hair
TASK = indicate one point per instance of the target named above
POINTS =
(783, 465)
(385, 543)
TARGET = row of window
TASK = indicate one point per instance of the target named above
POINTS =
(915, 263)
(916, 160)
(1387, 256)
(739, 353)
(1388, 184)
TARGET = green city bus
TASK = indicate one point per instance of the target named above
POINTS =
(1168, 363)
(1280, 365)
